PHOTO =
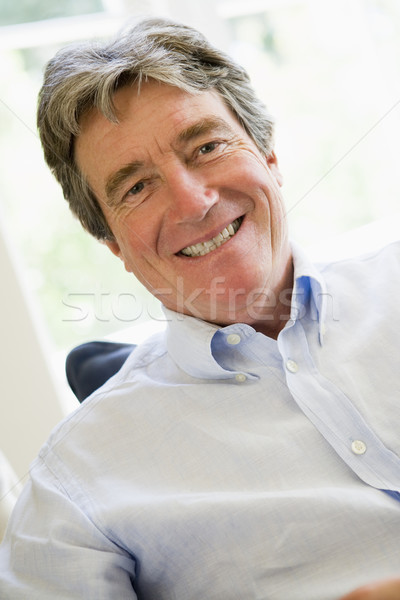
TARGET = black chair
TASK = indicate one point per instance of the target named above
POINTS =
(89, 365)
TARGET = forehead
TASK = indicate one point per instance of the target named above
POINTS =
(156, 99)
(153, 110)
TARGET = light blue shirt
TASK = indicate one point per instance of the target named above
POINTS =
(220, 464)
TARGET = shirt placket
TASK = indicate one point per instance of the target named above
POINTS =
(335, 416)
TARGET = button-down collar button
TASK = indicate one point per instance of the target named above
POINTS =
(240, 377)
(358, 447)
(292, 366)
(233, 339)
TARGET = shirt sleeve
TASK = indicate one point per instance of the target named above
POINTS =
(9, 492)
(52, 549)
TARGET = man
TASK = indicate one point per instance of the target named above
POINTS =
(251, 451)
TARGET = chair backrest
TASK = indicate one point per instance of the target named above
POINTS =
(90, 365)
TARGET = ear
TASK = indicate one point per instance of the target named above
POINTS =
(114, 247)
(116, 250)
(272, 163)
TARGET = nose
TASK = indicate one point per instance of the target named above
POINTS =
(191, 197)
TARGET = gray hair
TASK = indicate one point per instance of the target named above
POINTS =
(86, 76)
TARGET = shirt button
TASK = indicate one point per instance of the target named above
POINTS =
(233, 339)
(292, 366)
(358, 447)
(240, 377)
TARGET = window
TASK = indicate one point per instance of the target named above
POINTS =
(327, 70)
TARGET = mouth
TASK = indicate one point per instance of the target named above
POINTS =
(204, 248)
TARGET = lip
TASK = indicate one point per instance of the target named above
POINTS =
(208, 236)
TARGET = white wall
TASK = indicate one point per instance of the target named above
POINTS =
(29, 401)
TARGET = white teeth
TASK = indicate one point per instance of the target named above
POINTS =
(205, 247)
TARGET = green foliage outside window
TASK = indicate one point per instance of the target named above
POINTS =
(25, 11)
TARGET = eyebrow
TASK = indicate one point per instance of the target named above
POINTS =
(115, 182)
(203, 127)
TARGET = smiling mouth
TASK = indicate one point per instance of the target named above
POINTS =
(206, 247)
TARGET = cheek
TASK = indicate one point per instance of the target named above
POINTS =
(134, 248)
(133, 232)
(117, 217)
(139, 253)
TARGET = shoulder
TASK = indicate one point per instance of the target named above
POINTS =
(104, 411)
(381, 264)
(364, 289)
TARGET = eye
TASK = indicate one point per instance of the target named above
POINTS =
(207, 148)
(137, 188)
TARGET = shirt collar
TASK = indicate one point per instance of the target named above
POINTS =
(189, 344)
(189, 339)
(309, 291)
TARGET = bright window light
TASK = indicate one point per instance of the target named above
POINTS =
(327, 70)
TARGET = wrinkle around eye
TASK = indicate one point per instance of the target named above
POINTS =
(131, 201)
(125, 202)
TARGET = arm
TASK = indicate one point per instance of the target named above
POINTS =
(382, 590)
(52, 549)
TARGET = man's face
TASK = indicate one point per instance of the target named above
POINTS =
(195, 208)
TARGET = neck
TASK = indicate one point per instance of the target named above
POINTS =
(271, 316)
